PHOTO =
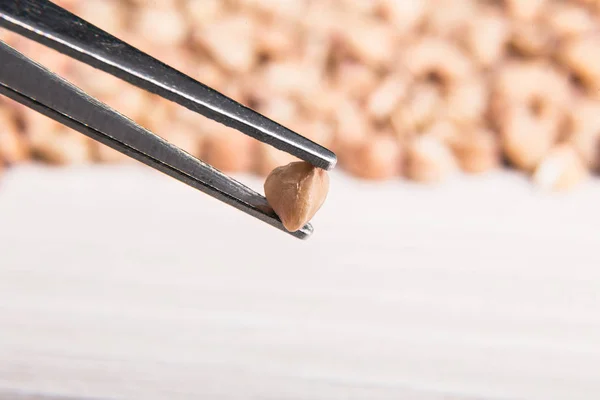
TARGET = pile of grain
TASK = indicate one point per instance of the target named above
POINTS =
(397, 88)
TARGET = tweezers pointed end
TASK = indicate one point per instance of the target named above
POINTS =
(330, 160)
(303, 233)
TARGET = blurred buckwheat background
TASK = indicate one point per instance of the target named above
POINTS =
(419, 89)
(438, 269)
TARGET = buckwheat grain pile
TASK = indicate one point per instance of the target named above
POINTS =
(420, 89)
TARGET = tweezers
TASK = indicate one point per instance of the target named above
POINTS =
(32, 85)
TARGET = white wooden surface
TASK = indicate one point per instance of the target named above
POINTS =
(121, 283)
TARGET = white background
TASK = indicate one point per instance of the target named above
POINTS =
(123, 283)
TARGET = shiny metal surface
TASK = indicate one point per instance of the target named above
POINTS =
(49, 24)
(34, 86)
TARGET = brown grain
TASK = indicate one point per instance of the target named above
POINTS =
(296, 192)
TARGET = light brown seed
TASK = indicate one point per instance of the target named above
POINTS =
(276, 41)
(94, 82)
(368, 41)
(445, 130)
(467, 102)
(584, 131)
(530, 81)
(108, 15)
(404, 15)
(363, 8)
(382, 102)
(289, 78)
(185, 137)
(322, 19)
(532, 40)
(316, 51)
(288, 10)
(62, 146)
(417, 110)
(13, 146)
(210, 74)
(560, 170)
(296, 192)
(477, 151)
(582, 55)
(161, 26)
(156, 3)
(594, 5)
(486, 37)
(229, 150)
(67, 4)
(200, 13)
(434, 57)
(524, 9)
(157, 115)
(36, 123)
(280, 109)
(355, 80)
(537, 88)
(403, 125)
(352, 128)
(14, 108)
(429, 160)
(526, 139)
(230, 41)
(131, 102)
(568, 19)
(319, 131)
(378, 158)
(447, 17)
(324, 105)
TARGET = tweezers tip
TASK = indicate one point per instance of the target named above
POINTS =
(305, 232)
(330, 161)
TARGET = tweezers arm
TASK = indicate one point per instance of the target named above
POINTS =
(55, 27)
(34, 86)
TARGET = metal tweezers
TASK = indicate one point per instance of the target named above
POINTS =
(29, 83)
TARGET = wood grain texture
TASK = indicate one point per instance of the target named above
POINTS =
(119, 283)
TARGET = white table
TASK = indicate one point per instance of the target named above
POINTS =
(117, 282)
